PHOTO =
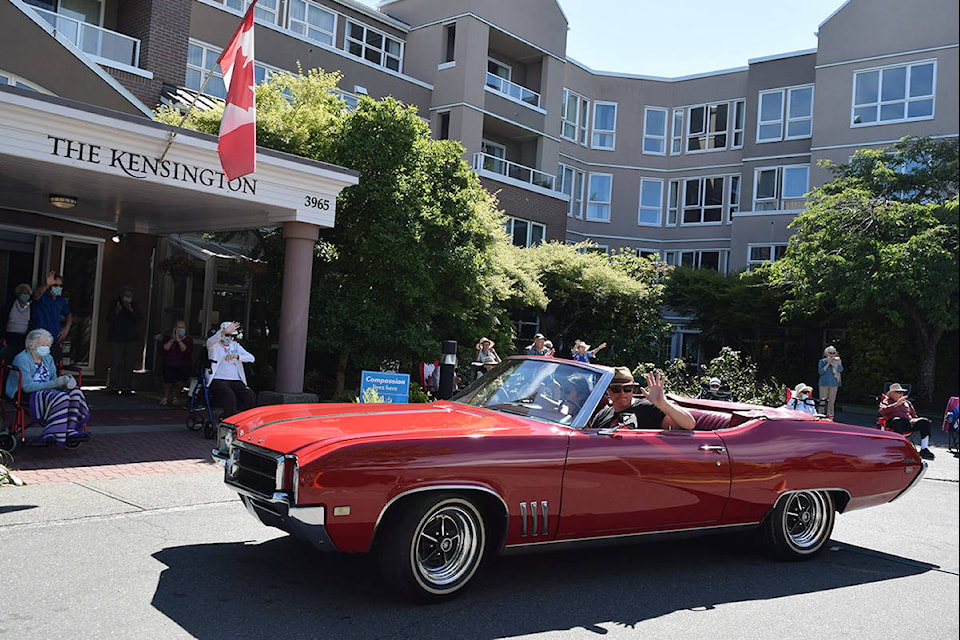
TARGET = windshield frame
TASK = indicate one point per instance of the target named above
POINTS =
(600, 374)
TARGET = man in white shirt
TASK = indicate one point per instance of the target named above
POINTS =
(228, 380)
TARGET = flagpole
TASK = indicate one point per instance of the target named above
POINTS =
(196, 95)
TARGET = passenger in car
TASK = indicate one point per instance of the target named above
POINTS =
(651, 410)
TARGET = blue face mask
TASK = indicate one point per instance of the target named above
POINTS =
(43, 351)
(181, 332)
(24, 297)
(56, 290)
(127, 299)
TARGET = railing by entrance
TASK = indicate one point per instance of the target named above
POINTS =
(108, 47)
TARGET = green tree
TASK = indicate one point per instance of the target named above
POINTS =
(881, 239)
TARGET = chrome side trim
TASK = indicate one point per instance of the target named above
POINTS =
(543, 511)
(533, 513)
(915, 481)
(628, 536)
(523, 519)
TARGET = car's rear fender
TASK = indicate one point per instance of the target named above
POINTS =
(490, 503)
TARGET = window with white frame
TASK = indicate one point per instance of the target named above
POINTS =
(14, 80)
(373, 46)
(313, 21)
(707, 127)
(673, 201)
(781, 188)
(604, 125)
(267, 10)
(525, 233)
(495, 157)
(574, 117)
(655, 131)
(762, 253)
(894, 94)
(676, 135)
(715, 259)
(499, 69)
(739, 116)
(571, 183)
(785, 114)
(202, 58)
(600, 192)
(651, 202)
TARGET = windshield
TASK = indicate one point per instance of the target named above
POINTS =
(542, 389)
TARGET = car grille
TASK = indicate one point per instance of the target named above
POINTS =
(254, 470)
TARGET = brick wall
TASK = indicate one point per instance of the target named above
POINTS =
(529, 205)
(163, 27)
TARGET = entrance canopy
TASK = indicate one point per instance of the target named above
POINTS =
(114, 171)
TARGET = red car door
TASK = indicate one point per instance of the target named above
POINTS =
(642, 480)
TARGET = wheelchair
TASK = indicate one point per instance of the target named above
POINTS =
(199, 408)
(15, 413)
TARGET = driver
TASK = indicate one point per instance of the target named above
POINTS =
(651, 410)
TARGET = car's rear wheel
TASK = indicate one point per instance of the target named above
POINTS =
(800, 524)
(432, 546)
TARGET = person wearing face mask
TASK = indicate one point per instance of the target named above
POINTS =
(176, 356)
(123, 336)
(228, 380)
(49, 309)
(18, 320)
(829, 368)
(802, 399)
(55, 401)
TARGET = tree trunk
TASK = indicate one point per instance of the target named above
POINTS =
(927, 339)
(341, 373)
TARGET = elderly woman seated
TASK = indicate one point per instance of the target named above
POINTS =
(54, 401)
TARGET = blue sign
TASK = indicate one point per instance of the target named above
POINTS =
(391, 387)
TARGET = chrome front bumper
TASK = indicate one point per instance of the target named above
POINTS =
(303, 523)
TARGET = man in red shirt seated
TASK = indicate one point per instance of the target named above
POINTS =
(901, 417)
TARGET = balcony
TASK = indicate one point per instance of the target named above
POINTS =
(106, 47)
(512, 90)
(484, 163)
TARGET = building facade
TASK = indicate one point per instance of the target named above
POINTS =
(705, 170)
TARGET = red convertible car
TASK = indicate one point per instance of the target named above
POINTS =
(512, 463)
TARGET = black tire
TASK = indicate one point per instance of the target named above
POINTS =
(800, 525)
(8, 442)
(73, 444)
(431, 547)
(209, 429)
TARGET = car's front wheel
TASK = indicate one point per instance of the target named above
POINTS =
(800, 524)
(431, 546)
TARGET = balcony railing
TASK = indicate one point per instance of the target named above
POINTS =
(493, 164)
(515, 91)
(105, 45)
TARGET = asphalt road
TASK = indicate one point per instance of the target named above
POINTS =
(178, 557)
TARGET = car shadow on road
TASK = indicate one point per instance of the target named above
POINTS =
(286, 587)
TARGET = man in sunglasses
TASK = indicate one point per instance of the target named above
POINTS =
(228, 380)
(652, 410)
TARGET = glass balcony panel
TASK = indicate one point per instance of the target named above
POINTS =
(94, 40)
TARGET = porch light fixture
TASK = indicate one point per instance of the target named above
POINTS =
(117, 237)
(63, 202)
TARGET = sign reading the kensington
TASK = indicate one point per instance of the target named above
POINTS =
(390, 387)
(137, 165)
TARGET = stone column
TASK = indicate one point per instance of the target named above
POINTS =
(295, 307)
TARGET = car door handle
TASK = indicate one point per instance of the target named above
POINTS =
(712, 447)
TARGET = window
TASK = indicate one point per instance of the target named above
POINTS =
(600, 193)
(651, 199)
(781, 188)
(894, 94)
(266, 11)
(711, 259)
(499, 69)
(707, 127)
(494, 157)
(525, 233)
(673, 198)
(739, 114)
(571, 183)
(775, 123)
(604, 125)
(676, 139)
(444, 133)
(202, 58)
(312, 21)
(655, 131)
(373, 46)
(761, 253)
(703, 200)
(573, 119)
(450, 39)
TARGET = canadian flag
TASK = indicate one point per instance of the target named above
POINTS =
(238, 128)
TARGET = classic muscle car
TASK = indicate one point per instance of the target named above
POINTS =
(507, 465)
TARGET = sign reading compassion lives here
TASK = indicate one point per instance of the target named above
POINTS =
(391, 387)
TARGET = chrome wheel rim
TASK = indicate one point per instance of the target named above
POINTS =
(805, 519)
(447, 545)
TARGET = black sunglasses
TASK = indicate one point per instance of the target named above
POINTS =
(622, 388)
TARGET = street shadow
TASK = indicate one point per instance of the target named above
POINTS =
(284, 587)
(10, 508)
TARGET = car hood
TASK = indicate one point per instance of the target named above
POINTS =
(297, 428)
